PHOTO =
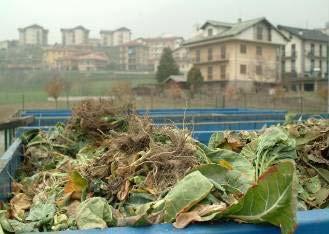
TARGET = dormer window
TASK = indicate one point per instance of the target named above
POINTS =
(210, 32)
(259, 32)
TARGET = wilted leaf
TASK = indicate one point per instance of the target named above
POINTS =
(19, 203)
(313, 185)
(43, 213)
(124, 190)
(272, 200)
(233, 180)
(200, 213)
(270, 148)
(216, 139)
(189, 191)
(76, 184)
(4, 222)
(94, 213)
(20, 227)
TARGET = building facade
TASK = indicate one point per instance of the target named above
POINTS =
(134, 56)
(306, 56)
(52, 55)
(4, 45)
(75, 36)
(182, 59)
(156, 46)
(116, 37)
(33, 35)
(245, 52)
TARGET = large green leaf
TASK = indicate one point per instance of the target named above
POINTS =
(43, 213)
(189, 191)
(272, 200)
(232, 180)
(236, 164)
(270, 148)
(94, 213)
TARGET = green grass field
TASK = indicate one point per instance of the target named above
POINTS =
(14, 86)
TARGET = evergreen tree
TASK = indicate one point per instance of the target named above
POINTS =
(194, 80)
(167, 66)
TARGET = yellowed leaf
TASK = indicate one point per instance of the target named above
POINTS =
(225, 164)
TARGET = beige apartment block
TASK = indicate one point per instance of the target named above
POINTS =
(246, 51)
(116, 37)
(75, 36)
(33, 35)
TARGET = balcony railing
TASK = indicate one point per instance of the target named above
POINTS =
(293, 54)
(312, 54)
(215, 59)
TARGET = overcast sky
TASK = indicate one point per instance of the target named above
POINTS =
(152, 17)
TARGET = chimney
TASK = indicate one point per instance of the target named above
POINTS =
(239, 20)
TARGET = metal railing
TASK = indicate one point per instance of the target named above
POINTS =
(9, 127)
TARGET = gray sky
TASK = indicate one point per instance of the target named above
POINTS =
(152, 17)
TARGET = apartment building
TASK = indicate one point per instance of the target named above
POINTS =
(33, 35)
(4, 45)
(116, 37)
(245, 53)
(156, 46)
(76, 36)
(52, 55)
(182, 59)
(133, 56)
(306, 54)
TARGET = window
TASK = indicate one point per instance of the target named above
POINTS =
(223, 52)
(320, 50)
(293, 50)
(223, 72)
(210, 32)
(259, 70)
(259, 32)
(293, 65)
(312, 50)
(209, 73)
(312, 65)
(197, 56)
(243, 48)
(243, 69)
(209, 54)
(259, 50)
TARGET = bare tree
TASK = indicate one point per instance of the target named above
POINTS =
(54, 88)
(122, 92)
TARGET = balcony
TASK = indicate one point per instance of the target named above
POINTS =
(220, 58)
(292, 55)
(313, 55)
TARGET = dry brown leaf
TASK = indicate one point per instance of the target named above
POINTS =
(185, 218)
(19, 203)
(124, 190)
(16, 187)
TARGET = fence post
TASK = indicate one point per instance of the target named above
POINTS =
(223, 101)
(301, 104)
(23, 101)
(216, 101)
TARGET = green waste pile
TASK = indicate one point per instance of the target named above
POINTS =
(107, 168)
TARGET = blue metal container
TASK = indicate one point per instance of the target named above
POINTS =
(314, 221)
